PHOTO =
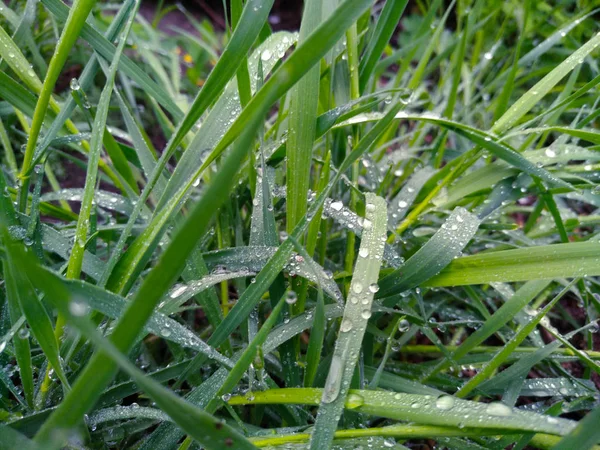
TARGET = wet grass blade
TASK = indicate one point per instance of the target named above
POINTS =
(354, 323)
(445, 245)
(423, 409)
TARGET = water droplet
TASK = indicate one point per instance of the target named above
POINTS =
(403, 325)
(357, 288)
(374, 287)
(498, 409)
(74, 84)
(365, 314)
(24, 333)
(445, 402)
(363, 252)
(346, 326)
(166, 332)
(178, 291)
(266, 55)
(550, 153)
(78, 308)
(291, 297)
(337, 206)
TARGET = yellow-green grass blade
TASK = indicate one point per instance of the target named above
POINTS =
(423, 409)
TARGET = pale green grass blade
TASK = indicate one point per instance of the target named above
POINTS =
(545, 262)
(524, 104)
(354, 323)
(447, 243)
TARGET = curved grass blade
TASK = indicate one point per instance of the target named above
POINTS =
(354, 323)
(445, 245)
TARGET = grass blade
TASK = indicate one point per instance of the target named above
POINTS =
(354, 323)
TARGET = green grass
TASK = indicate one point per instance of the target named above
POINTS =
(377, 232)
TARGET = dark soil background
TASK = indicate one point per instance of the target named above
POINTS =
(285, 14)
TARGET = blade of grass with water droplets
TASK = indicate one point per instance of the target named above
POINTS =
(354, 323)
(423, 409)
(98, 130)
(445, 245)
